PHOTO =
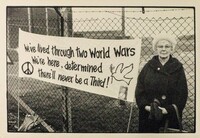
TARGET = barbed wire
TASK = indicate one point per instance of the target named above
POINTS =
(149, 19)
(132, 11)
(102, 11)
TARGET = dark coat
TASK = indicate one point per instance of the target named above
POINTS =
(167, 84)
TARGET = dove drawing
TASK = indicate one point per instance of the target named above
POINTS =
(121, 73)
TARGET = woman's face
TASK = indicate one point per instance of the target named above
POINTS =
(164, 48)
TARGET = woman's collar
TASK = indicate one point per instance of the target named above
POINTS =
(170, 66)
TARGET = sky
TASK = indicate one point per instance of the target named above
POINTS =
(99, 19)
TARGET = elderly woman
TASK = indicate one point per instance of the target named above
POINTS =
(161, 82)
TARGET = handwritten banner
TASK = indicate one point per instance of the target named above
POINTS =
(105, 67)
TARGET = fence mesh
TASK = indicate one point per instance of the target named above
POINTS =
(91, 112)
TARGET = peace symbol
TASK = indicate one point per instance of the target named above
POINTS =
(27, 68)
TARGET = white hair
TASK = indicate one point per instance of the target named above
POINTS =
(164, 36)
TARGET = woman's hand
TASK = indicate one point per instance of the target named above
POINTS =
(164, 111)
(148, 108)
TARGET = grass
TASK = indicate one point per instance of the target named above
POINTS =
(90, 113)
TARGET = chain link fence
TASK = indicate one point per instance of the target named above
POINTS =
(90, 112)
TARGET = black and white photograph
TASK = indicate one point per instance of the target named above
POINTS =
(101, 69)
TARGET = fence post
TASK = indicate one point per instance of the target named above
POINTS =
(29, 20)
(66, 110)
(66, 24)
(47, 21)
(123, 23)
